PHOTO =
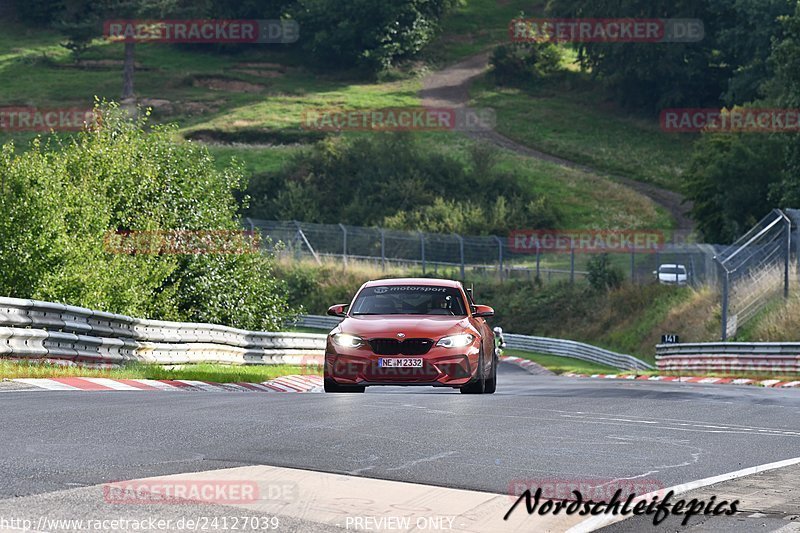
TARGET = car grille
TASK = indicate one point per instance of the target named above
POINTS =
(405, 347)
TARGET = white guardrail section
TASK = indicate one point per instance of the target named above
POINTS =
(32, 330)
(543, 345)
(729, 357)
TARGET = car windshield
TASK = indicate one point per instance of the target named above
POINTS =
(409, 300)
(673, 270)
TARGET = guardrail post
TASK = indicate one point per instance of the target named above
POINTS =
(344, 243)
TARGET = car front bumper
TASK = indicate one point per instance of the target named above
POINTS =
(444, 367)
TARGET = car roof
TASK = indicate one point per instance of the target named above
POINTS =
(671, 265)
(425, 282)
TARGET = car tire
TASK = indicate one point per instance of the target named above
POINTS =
(332, 386)
(478, 386)
(491, 383)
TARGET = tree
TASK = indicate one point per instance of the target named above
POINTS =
(364, 33)
(603, 276)
(62, 199)
(729, 182)
(785, 90)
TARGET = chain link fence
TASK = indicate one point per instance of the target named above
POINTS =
(754, 270)
(474, 256)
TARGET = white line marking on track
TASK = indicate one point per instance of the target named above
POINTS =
(597, 522)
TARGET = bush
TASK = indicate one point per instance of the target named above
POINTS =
(602, 275)
(397, 181)
(62, 197)
(524, 63)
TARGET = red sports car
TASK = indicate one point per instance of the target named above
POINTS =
(411, 332)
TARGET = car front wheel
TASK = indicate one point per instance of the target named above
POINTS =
(478, 386)
(332, 386)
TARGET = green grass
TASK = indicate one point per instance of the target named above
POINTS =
(570, 118)
(476, 25)
(563, 365)
(200, 372)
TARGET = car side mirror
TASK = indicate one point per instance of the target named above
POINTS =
(483, 311)
(337, 310)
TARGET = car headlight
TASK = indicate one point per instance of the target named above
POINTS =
(347, 341)
(456, 341)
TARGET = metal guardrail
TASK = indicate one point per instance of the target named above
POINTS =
(35, 330)
(543, 345)
(317, 321)
(727, 357)
(576, 350)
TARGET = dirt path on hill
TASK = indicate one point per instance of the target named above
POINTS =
(449, 87)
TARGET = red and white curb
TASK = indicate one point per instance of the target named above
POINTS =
(774, 383)
(527, 364)
(281, 384)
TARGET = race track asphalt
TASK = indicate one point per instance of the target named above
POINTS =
(535, 428)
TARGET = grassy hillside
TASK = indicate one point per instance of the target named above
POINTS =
(628, 320)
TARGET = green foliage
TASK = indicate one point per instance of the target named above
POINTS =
(786, 91)
(524, 63)
(364, 33)
(729, 181)
(603, 276)
(746, 40)
(61, 198)
(396, 181)
(730, 59)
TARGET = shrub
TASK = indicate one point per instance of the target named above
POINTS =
(62, 197)
(397, 181)
(524, 63)
(602, 275)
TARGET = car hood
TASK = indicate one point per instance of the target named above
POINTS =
(414, 326)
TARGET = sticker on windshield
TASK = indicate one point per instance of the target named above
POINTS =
(407, 288)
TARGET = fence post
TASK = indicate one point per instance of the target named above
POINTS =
(461, 253)
(344, 243)
(786, 259)
(383, 249)
(572, 264)
(633, 265)
(724, 306)
(422, 250)
(500, 248)
(538, 260)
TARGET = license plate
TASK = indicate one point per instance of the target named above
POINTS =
(400, 362)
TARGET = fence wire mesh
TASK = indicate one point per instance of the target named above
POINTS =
(473, 256)
(754, 270)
